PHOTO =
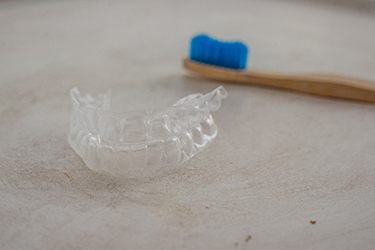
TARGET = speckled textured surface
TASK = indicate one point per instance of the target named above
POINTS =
(281, 159)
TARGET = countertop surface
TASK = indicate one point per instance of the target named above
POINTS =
(281, 161)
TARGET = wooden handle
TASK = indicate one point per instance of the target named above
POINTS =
(317, 84)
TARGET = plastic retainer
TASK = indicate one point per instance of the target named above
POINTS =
(138, 144)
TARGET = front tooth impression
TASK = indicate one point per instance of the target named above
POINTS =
(133, 129)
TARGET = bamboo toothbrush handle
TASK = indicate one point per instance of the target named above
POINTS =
(317, 84)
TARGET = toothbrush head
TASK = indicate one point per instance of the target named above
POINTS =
(227, 54)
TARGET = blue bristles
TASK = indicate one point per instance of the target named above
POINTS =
(205, 49)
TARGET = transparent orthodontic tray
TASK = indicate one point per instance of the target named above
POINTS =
(136, 144)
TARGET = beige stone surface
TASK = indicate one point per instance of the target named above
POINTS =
(281, 159)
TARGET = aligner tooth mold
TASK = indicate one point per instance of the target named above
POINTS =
(136, 144)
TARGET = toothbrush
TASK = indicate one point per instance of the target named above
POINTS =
(226, 61)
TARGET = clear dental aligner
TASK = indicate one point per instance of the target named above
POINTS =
(139, 143)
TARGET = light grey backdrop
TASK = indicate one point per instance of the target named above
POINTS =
(281, 159)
